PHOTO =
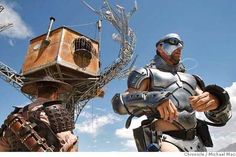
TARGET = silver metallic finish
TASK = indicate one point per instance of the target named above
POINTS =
(136, 77)
(194, 145)
(186, 119)
(118, 104)
(220, 116)
(52, 19)
(160, 79)
(169, 49)
(181, 86)
(142, 102)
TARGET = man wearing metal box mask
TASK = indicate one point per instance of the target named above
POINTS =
(170, 98)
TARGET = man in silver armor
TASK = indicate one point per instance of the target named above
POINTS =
(170, 98)
(44, 125)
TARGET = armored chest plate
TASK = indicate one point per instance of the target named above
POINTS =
(181, 85)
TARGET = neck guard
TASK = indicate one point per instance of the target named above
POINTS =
(160, 64)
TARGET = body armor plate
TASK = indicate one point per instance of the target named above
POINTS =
(181, 86)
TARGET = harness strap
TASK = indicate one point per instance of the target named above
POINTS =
(25, 132)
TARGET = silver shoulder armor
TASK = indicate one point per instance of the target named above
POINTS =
(137, 76)
(138, 103)
(223, 113)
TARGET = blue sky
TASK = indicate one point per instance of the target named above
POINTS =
(207, 28)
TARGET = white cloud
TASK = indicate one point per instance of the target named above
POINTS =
(94, 125)
(86, 115)
(129, 145)
(20, 30)
(232, 93)
(126, 135)
(100, 109)
(127, 139)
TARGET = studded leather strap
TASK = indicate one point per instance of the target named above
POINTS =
(25, 132)
(59, 118)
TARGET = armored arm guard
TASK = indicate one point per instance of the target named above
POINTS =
(141, 102)
(223, 112)
(138, 103)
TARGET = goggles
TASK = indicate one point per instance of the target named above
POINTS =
(173, 41)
